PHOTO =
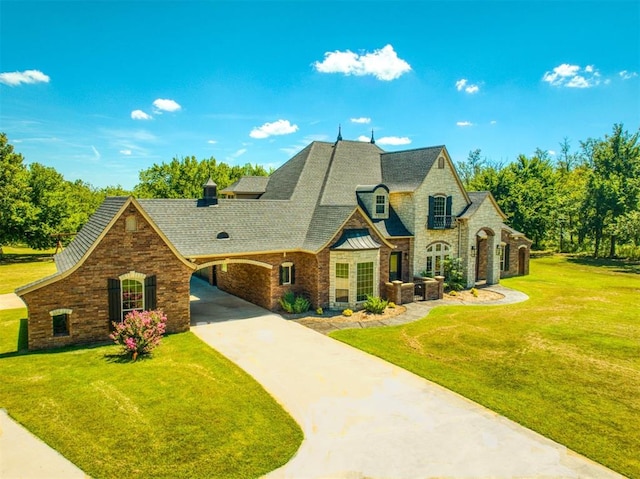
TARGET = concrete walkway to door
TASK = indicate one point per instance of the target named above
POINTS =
(363, 417)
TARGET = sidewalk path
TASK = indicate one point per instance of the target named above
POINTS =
(24, 456)
(11, 301)
(364, 417)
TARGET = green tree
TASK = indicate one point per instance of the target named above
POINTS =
(471, 168)
(184, 178)
(16, 211)
(613, 187)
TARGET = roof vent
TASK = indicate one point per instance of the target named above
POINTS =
(222, 235)
(210, 194)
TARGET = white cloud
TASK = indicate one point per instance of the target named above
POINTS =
(27, 76)
(463, 84)
(212, 142)
(627, 75)
(464, 123)
(362, 119)
(552, 152)
(125, 152)
(96, 153)
(364, 138)
(165, 105)
(383, 64)
(392, 140)
(573, 76)
(493, 122)
(235, 155)
(140, 115)
(279, 127)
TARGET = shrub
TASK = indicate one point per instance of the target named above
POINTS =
(474, 292)
(319, 312)
(301, 305)
(294, 304)
(347, 312)
(375, 305)
(453, 292)
(140, 332)
(453, 274)
(391, 305)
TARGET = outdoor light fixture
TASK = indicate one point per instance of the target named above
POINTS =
(473, 251)
(498, 250)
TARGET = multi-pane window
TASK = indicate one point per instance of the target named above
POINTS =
(437, 253)
(364, 281)
(504, 257)
(381, 204)
(439, 211)
(132, 296)
(60, 324)
(342, 282)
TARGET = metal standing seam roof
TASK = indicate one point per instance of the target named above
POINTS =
(355, 239)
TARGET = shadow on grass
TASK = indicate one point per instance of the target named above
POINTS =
(17, 258)
(618, 265)
(23, 345)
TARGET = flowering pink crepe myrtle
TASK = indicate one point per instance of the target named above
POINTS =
(140, 332)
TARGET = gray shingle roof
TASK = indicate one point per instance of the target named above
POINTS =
(476, 198)
(406, 170)
(248, 185)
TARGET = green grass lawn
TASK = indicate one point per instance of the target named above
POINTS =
(20, 266)
(566, 363)
(186, 412)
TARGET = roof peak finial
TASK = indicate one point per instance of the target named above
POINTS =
(339, 132)
(373, 140)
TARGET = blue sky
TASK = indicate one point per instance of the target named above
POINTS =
(100, 90)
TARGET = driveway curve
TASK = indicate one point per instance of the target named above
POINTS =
(364, 417)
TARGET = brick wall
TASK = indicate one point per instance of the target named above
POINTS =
(519, 250)
(85, 290)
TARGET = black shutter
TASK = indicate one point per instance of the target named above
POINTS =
(150, 301)
(430, 220)
(281, 274)
(293, 274)
(507, 253)
(448, 219)
(115, 300)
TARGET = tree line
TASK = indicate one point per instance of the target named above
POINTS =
(38, 206)
(585, 201)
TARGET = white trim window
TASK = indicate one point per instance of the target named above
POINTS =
(132, 292)
(437, 253)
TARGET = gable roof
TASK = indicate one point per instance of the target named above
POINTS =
(248, 185)
(89, 236)
(477, 198)
(406, 170)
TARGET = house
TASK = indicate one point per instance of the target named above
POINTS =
(337, 222)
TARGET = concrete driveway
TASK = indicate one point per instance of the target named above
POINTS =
(363, 417)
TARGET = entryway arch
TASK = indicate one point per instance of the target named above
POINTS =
(487, 248)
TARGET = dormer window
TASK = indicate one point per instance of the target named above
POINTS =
(381, 205)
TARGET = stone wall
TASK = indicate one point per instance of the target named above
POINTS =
(85, 291)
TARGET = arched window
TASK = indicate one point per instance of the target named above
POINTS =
(437, 253)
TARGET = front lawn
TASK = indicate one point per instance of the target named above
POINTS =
(186, 412)
(20, 266)
(566, 363)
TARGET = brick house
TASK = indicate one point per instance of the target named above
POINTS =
(337, 222)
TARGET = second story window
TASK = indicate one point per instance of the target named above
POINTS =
(381, 205)
(440, 216)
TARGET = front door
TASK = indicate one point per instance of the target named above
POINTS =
(395, 266)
